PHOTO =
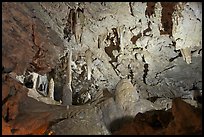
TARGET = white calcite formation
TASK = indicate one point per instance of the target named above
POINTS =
(187, 28)
(126, 96)
(51, 89)
(41, 90)
(122, 48)
(127, 43)
(89, 63)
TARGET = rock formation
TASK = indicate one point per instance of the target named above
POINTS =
(91, 67)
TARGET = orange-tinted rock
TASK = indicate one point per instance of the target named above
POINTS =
(187, 119)
(5, 91)
(150, 122)
(27, 43)
(30, 123)
(134, 129)
(6, 129)
(13, 93)
(22, 114)
(181, 120)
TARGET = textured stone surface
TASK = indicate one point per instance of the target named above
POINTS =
(87, 123)
(126, 96)
(27, 43)
(187, 119)
(156, 46)
(27, 46)
(182, 119)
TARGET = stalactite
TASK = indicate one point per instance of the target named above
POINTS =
(186, 53)
(79, 24)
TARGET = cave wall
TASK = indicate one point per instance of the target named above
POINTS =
(149, 43)
(157, 46)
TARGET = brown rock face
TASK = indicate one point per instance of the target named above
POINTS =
(183, 119)
(27, 45)
(187, 119)
(6, 129)
(22, 114)
(12, 93)
(149, 123)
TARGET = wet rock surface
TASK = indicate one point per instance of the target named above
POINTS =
(125, 69)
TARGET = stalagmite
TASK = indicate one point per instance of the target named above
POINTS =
(88, 61)
(121, 33)
(67, 90)
(42, 84)
(51, 89)
(125, 95)
(34, 79)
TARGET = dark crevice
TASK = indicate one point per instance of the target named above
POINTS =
(73, 25)
(197, 95)
(131, 11)
(114, 68)
(99, 42)
(28, 81)
(145, 69)
(143, 60)
(135, 38)
(131, 29)
(6, 70)
(103, 3)
(136, 55)
(147, 30)
(145, 72)
(13, 130)
(80, 10)
(199, 51)
(198, 19)
(193, 51)
(166, 19)
(173, 43)
(33, 34)
(113, 46)
(164, 70)
(172, 59)
(102, 18)
(131, 74)
(156, 124)
(6, 99)
(118, 72)
(150, 9)
(153, 99)
(82, 75)
(6, 118)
